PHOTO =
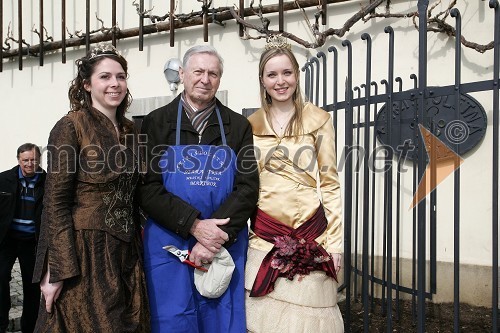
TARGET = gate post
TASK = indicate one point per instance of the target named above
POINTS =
(422, 88)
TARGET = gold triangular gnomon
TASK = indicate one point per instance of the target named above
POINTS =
(443, 161)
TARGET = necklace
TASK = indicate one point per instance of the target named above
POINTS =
(285, 124)
(280, 124)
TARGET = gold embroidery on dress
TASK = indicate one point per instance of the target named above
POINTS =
(118, 201)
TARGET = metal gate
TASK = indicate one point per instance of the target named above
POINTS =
(362, 127)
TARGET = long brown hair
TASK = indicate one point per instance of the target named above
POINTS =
(80, 98)
(294, 127)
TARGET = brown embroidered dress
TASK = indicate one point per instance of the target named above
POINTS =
(89, 233)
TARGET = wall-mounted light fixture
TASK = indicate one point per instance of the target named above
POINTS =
(171, 71)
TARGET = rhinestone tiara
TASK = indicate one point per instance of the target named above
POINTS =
(277, 42)
(101, 49)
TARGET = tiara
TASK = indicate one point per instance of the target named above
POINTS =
(102, 49)
(277, 42)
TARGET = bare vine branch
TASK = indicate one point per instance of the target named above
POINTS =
(47, 39)
(436, 24)
(10, 37)
(145, 13)
(320, 37)
(105, 31)
(6, 41)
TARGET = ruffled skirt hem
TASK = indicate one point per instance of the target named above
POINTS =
(302, 305)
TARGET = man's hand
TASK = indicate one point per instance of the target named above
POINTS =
(50, 291)
(201, 255)
(209, 234)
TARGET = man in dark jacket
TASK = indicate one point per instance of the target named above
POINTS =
(193, 206)
(21, 195)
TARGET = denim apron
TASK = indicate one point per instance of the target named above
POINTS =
(203, 176)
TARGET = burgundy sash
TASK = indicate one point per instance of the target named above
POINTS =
(295, 251)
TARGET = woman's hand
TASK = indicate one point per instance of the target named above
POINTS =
(50, 291)
(337, 261)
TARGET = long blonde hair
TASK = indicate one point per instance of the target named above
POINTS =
(294, 127)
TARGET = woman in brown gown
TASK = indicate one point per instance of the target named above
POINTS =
(89, 258)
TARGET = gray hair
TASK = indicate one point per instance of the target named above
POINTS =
(207, 49)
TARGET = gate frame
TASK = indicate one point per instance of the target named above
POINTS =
(419, 93)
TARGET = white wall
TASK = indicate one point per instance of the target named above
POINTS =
(33, 99)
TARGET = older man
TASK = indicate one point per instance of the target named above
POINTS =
(21, 195)
(199, 191)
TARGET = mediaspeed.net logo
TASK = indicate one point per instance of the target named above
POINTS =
(443, 161)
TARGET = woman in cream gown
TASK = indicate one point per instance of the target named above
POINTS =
(296, 236)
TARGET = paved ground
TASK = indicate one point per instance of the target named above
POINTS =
(16, 297)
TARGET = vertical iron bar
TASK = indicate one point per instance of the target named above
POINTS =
(1, 36)
(87, 25)
(317, 81)
(398, 197)
(322, 55)
(20, 32)
(307, 80)
(113, 20)
(311, 90)
(205, 21)
(281, 15)
(374, 144)
(390, 31)
(40, 52)
(316, 61)
(323, 11)
(422, 76)
(141, 25)
(433, 206)
(335, 88)
(414, 210)
(348, 186)
(242, 16)
(171, 23)
(366, 180)
(385, 205)
(496, 68)
(356, 198)
(456, 199)
(63, 31)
